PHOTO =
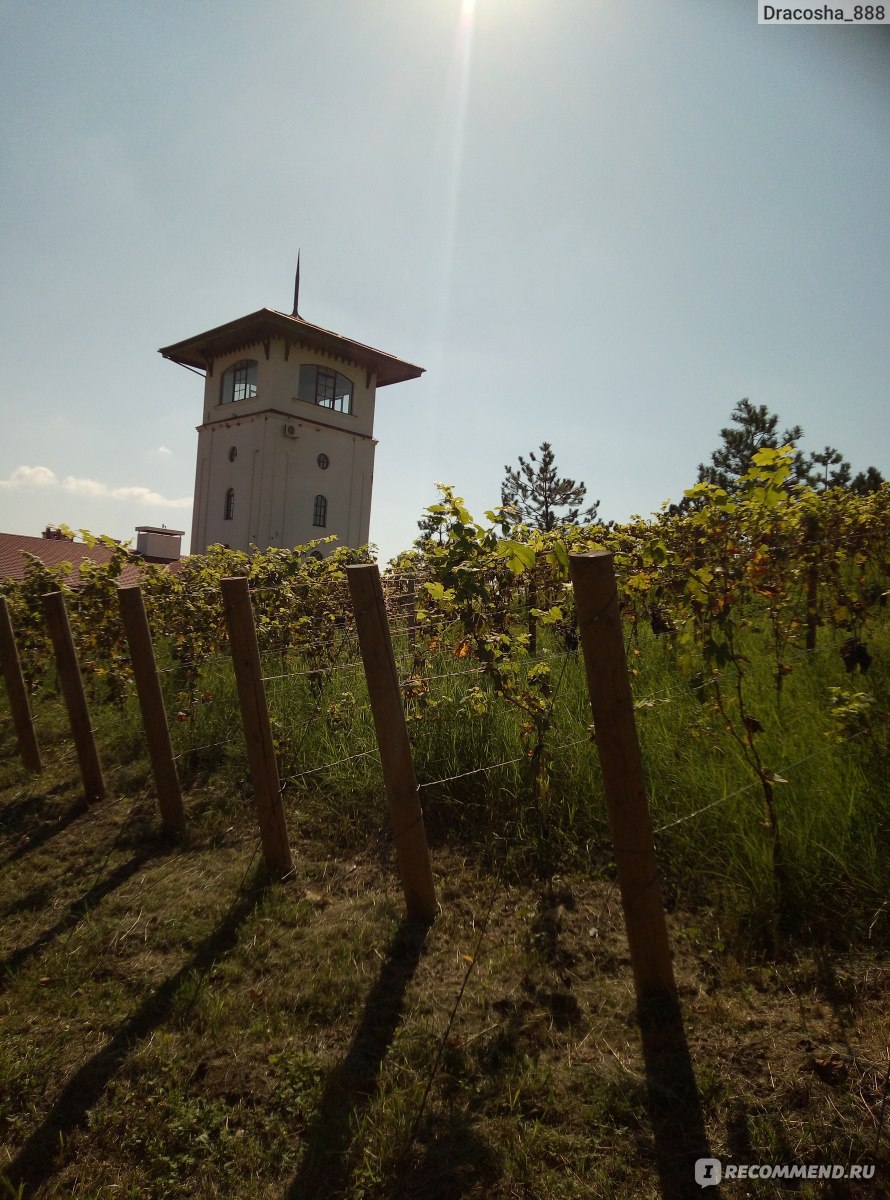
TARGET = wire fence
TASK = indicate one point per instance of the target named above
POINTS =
(315, 747)
(322, 734)
(323, 730)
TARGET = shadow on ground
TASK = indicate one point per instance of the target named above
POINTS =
(37, 1161)
(76, 911)
(15, 815)
(674, 1103)
(327, 1159)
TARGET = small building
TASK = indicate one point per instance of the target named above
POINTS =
(286, 444)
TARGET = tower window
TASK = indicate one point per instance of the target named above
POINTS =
(320, 511)
(327, 388)
(229, 510)
(323, 461)
(238, 382)
(233, 453)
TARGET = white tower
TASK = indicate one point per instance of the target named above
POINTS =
(286, 447)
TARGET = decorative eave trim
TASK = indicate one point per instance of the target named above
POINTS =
(299, 419)
(260, 328)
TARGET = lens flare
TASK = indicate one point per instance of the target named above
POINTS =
(457, 103)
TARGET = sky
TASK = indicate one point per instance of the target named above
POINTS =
(593, 222)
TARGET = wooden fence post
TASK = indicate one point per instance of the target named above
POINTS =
(17, 692)
(411, 593)
(812, 605)
(405, 812)
(532, 598)
(257, 730)
(151, 705)
(810, 539)
(75, 698)
(602, 642)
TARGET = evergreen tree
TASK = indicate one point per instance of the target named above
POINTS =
(430, 530)
(867, 481)
(755, 429)
(535, 493)
(820, 474)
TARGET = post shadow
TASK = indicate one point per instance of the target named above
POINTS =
(674, 1103)
(327, 1160)
(76, 911)
(35, 1162)
(46, 831)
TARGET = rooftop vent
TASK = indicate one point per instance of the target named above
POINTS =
(159, 544)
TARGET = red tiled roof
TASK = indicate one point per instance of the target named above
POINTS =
(52, 552)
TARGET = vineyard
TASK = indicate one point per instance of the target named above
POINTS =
(757, 642)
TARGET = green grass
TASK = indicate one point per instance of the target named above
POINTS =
(706, 803)
(189, 1034)
(170, 1027)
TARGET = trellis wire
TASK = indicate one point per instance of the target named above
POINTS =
(754, 783)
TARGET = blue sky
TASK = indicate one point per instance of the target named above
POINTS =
(595, 223)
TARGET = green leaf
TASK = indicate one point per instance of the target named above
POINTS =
(438, 591)
(561, 555)
(550, 616)
(519, 556)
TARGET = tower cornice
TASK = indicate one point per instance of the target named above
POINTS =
(260, 328)
(297, 418)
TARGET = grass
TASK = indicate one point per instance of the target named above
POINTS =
(171, 1025)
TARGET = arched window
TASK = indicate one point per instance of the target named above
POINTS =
(229, 510)
(320, 512)
(328, 388)
(238, 382)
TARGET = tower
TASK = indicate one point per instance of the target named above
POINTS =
(286, 445)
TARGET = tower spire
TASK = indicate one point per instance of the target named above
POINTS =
(297, 288)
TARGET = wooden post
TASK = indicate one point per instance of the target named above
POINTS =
(405, 812)
(75, 699)
(812, 605)
(599, 621)
(811, 538)
(532, 597)
(151, 705)
(411, 606)
(17, 692)
(257, 730)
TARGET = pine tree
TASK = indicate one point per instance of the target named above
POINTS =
(820, 474)
(756, 429)
(430, 530)
(535, 493)
(866, 481)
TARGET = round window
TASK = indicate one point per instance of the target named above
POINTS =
(233, 454)
(323, 461)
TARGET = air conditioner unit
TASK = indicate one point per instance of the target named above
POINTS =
(290, 430)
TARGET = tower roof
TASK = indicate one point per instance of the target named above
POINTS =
(259, 328)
